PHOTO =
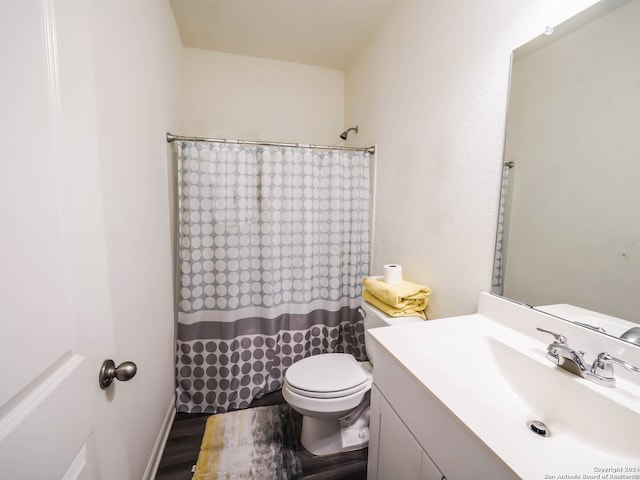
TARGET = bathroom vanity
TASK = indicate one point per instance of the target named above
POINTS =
(454, 398)
(408, 437)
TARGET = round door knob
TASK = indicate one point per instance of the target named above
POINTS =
(123, 372)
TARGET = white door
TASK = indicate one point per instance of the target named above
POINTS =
(55, 316)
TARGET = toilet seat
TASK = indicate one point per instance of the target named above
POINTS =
(330, 375)
(320, 395)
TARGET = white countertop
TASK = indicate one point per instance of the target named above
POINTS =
(494, 379)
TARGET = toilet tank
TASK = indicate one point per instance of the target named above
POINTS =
(375, 318)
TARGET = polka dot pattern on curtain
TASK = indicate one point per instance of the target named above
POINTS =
(221, 375)
(265, 227)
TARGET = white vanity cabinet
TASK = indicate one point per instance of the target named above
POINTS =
(414, 436)
(398, 455)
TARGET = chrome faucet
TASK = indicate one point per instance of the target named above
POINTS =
(564, 356)
(600, 372)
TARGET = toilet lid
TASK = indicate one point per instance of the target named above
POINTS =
(326, 373)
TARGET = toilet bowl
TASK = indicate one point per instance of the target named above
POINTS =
(331, 392)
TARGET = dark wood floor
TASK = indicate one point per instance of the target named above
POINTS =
(183, 445)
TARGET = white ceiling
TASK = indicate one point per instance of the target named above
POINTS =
(327, 33)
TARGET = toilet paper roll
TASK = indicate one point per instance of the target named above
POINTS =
(392, 274)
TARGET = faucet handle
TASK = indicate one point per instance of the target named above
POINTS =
(559, 338)
(602, 369)
(604, 361)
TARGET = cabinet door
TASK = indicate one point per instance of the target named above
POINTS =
(399, 455)
(374, 433)
(394, 453)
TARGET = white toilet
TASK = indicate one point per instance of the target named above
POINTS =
(331, 392)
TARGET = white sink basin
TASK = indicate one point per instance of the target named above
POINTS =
(521, 385)
(495, 379)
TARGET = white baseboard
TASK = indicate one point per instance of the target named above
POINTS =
(156, 455)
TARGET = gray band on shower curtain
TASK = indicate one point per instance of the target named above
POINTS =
(216, 375)
(273, 244)
(250, 326)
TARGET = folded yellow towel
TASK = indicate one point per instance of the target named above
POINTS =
(391, 311)
(404, 299)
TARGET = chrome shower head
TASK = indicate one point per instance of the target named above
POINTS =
(344, 134)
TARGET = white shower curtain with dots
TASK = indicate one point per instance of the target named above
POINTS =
(273, 245)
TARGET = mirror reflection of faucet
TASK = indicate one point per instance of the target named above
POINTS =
(632, 335)
(600, 372)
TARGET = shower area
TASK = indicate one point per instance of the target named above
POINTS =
(273, 243)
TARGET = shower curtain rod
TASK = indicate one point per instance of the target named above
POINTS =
(172, 138)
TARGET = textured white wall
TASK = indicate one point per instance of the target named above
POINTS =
(575, 142)
(136, 56)
(430, 89)
(248, 98)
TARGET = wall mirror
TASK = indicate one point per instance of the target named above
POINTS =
(569, 229)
